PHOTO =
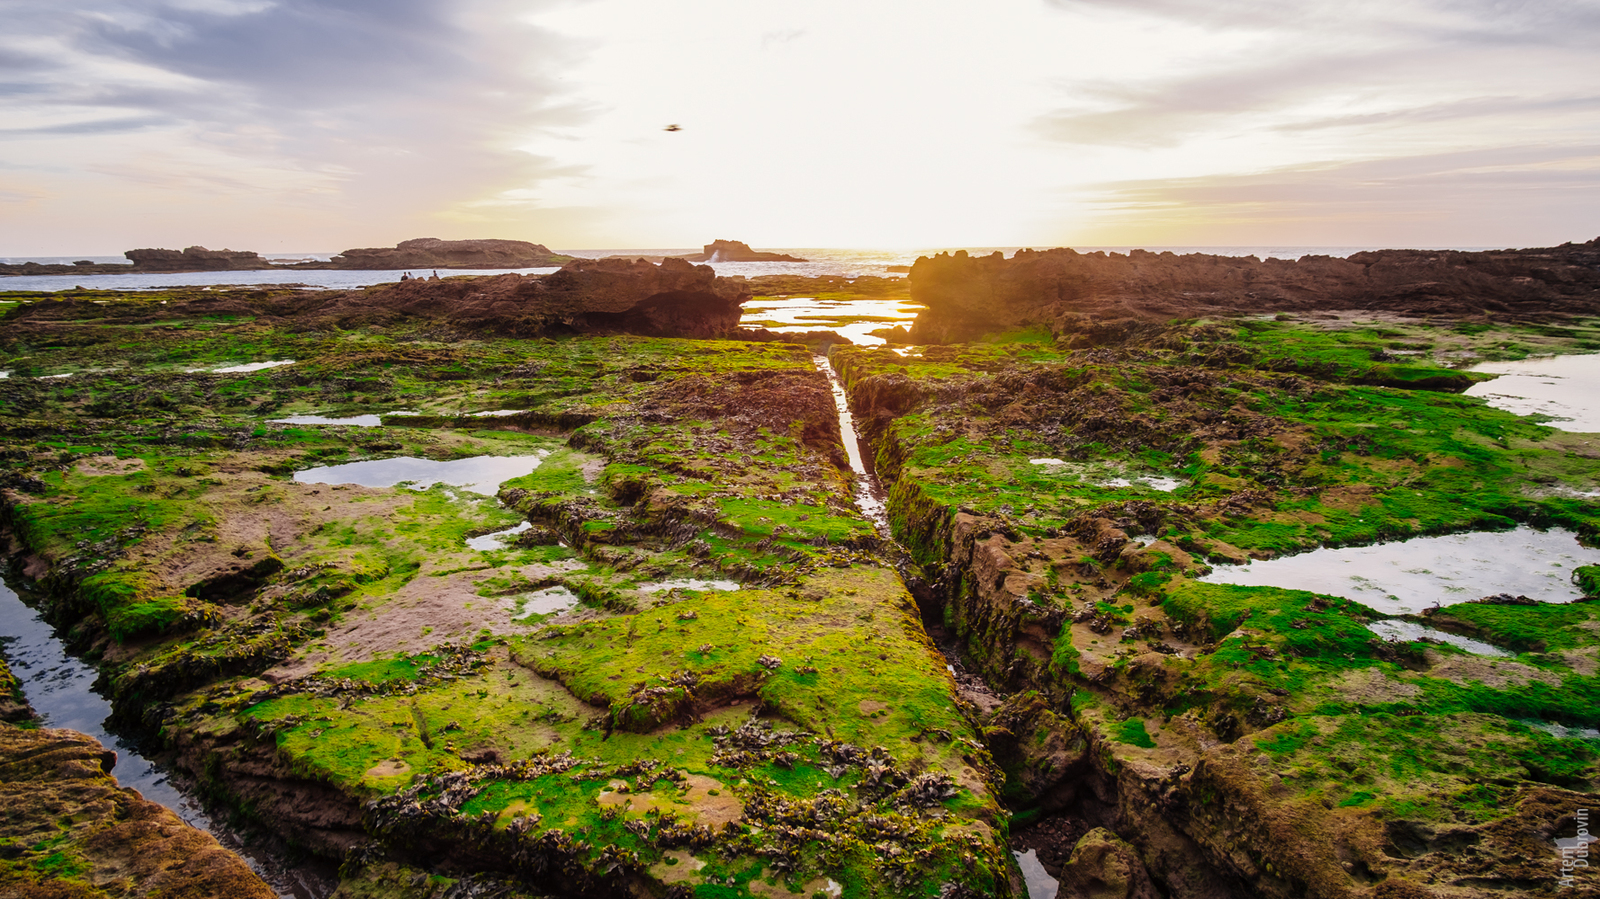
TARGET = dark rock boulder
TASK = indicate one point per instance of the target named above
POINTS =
(196, 259)
(968, 296)
(431, 253)
(588, 296)
(736, 251)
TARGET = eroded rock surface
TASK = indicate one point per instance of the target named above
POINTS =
(68, 830)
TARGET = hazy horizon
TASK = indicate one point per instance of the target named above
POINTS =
(1234, 249)
(273, 124)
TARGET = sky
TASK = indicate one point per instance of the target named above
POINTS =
(317, 125)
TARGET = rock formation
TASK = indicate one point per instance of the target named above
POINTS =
(71, 831)
(736, 251)
(14, 706)
(586, 296)
(971, 296)
(196, 259)
(431, 253)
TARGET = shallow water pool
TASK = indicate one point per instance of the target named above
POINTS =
(1039, 882)
(479, 474)
(544, 602)
(1408, 576)
(687, 583)
(1406, 631)
(243, 368)
(354, 421)
(61, 688)
(1567, 388)
(497, 540)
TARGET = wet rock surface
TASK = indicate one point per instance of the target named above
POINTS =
(68, 830)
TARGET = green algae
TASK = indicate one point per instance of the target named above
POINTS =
(667, 458)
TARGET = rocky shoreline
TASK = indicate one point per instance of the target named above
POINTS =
(693, 667)
(420, 255)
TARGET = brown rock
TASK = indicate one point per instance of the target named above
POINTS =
(1103, 866)
(102, 840)
(971, 296)
(432, 253)
(196, 259)
(673, 299)
(736, 251)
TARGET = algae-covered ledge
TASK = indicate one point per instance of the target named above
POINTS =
(688, 665)
(1071, 485)
(583, 706)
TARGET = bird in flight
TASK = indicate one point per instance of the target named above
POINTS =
(673, 128)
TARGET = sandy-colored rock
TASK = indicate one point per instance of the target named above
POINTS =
(76, 833)
(1103, 866)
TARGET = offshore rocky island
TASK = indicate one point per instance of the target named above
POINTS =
(574, 584)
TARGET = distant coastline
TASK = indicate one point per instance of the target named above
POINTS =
(821, 262)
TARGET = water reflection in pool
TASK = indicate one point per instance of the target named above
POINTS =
(1564, 387)
(479, 474)
(687, 583)
(241, 369)
(354, 421)
(1406, 631)
(1411, 575)
(496, 540)
(544, 602)
(61, 689)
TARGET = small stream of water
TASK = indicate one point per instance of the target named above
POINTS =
(61, 689)
(872, 500)
(870, 497)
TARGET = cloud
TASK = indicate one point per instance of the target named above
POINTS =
(1519, 194)
(1290, 67)
(94, 126)
(1497, 21)
(387, 110)
(781, 36)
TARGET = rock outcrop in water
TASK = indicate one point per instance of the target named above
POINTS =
(421, 253)
(70, 831)
(587, 296)
(196, 259)
(968, 296)
(736, 251)
(431, 253)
